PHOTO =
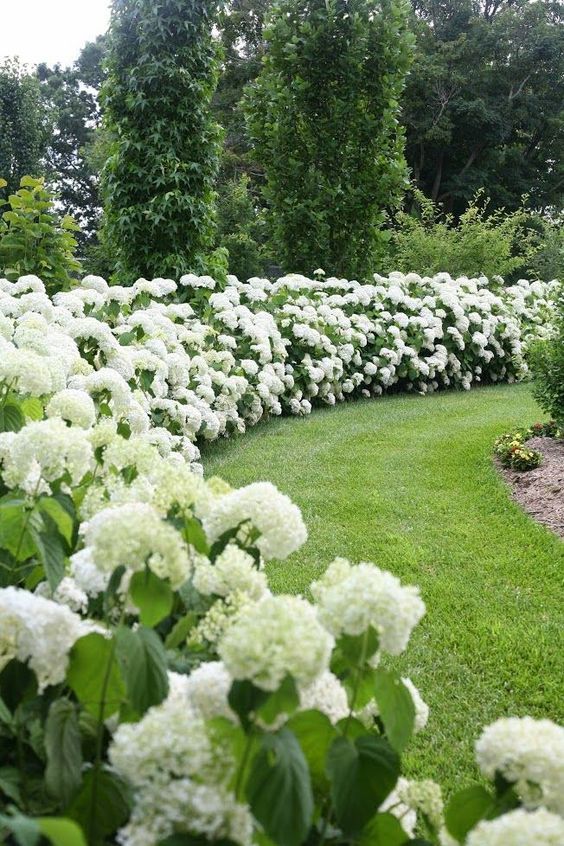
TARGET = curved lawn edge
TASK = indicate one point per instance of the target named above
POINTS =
(408, 482)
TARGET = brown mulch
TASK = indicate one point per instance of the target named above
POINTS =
(540, 492)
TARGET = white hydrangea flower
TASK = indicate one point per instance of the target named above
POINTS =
(207, 687)
(67, 593)
(529, 753)
(394, 804)
(134, 535)
(424, 797)
(180, 778)
(270, 512)
(73, 405)
(39, 632)
(43, 452)
(325, 694)
(519, 828)
(353, 597)
(292, 642)
(232, 571)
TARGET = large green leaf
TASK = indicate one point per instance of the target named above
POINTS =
(24, 830)
(101, 806)
(285, 700)
(315, 734)
(245, 699)
(383, 830)
(396, 708)
(15, 535)
(467, 808)
(50, 547)
(61, 831)
(153, 597)
(11, 417)
(362, 774)
(61, 510)
(64, 751)
(95, 676)
(143, 663)
(279, 789)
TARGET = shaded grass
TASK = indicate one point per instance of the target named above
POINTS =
(408, 482)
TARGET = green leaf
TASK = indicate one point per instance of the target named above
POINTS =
(143, 663)
(61, 831)
(362, 774)
(25, 830)
(94, 674)
(285, 700)
(153, 597)
(383, 830)
(245, 699)
(195, 535)
(101, 806)
(11, 417)
(10, 783)
(64, 751)
(59, 510)
(279, 789)
(50, 548)
(14, 528)
(467, 808)
(315, 734)
(181, 630)
(32, 407)
(396, 708)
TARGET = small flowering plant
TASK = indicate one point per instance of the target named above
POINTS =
(513, 453)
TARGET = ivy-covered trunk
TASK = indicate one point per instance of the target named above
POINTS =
(158, 182)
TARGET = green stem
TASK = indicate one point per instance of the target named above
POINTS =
(243, 765)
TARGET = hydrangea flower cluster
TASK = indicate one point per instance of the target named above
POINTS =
(176, 374)
(528, 753)
(351, 598)
(39, 632)
(180, 777)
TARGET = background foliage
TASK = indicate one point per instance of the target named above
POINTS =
(323, 116)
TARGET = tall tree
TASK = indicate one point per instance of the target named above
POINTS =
(484, 104)
(69, 98)
(22, 129)
(158, 184)
(324, 118)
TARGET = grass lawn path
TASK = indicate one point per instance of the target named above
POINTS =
(408, 482)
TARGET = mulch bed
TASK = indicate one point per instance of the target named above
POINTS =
(540, 492)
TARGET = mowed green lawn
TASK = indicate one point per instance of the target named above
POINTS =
(408, 483)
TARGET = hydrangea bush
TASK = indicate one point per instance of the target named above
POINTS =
(152, 689)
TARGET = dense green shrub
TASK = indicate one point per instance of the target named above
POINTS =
(22, 133)
(547, 365)
(548, 260)
(158, 182)
(480, 244)
(35, 239)
(323, 116)
(239, 228)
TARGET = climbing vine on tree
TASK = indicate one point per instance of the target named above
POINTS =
(158, 182)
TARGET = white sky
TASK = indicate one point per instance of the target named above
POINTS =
(50, 30)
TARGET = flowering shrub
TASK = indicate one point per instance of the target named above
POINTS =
(151, 686)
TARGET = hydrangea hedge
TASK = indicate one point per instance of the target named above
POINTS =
(152, 689)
